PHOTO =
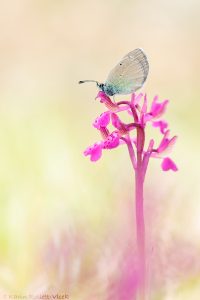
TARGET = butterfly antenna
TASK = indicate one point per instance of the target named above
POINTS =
(83, 81)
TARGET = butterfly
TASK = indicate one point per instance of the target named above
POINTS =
(127, 76)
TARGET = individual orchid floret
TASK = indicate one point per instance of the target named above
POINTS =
(162, 125)
(94, 151)
(107, 101)
(118, 124)
(102, 121)
(144, 106)
(166, 143)
(112, 141)
(135, 99)
(158, 109)
(168, 164)
(103, 97)
(165, 147)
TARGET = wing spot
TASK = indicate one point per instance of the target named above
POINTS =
(120, 64)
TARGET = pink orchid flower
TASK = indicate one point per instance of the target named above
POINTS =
(158, 109)
(102, 121)
(168, 164)
(162, 125)
(121, 133)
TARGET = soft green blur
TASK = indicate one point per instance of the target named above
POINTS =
(47, 187)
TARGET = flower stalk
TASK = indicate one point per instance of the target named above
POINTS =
(138, 165)
(139, 210)
(140, 230)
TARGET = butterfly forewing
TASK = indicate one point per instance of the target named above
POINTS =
(130, 73)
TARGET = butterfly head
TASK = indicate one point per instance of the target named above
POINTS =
(101, 86)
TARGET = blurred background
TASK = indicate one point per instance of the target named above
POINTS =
(66, 224)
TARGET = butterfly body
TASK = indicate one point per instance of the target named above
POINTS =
(109, 90)
(127, 76)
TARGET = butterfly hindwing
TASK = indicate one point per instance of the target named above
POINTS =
(130, 73)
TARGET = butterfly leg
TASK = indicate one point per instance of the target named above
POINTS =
(114, 99)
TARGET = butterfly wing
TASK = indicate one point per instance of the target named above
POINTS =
(129, 74)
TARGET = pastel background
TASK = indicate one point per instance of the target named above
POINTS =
(66, 224)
